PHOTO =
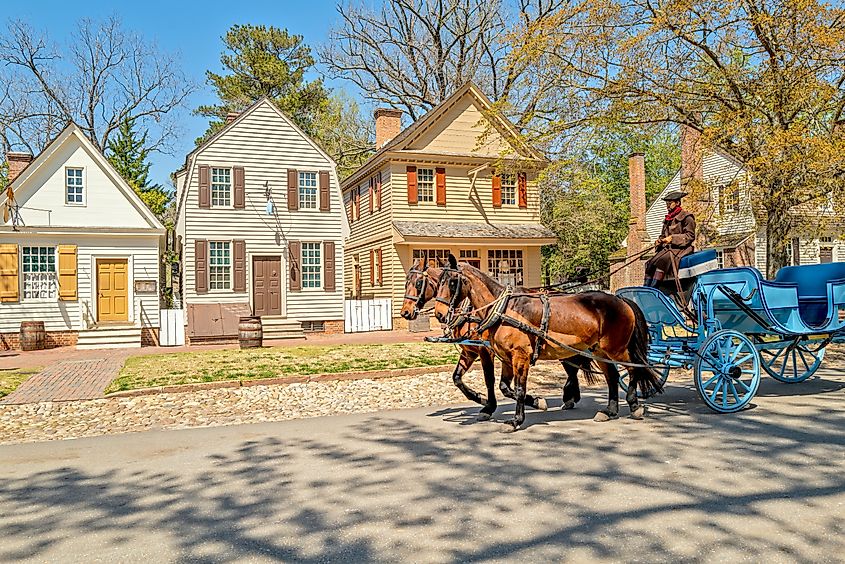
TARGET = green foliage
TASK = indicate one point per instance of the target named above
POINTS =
(128, 153)
(4, 175)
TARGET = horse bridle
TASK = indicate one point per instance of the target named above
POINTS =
(453, 301)
(421, 285)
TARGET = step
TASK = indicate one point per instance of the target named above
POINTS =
(109, 338)
(281, 328)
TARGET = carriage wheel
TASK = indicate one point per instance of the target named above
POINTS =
(791, 363)
(727, 372)
(624, 377)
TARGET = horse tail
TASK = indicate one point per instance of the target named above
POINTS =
(645, 377)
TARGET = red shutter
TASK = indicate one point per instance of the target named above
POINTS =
(372, 193)
(293, 189)
(350, 206)
(440, 177)
(380, 267)
(413, 197)
(294, 270)
(372, 267)
(239, 275)
(205, 192)
(329, 266)
(378, 191)
(240, 190)
(522, 189)
(325, 200)
(497, 191)
(201, 266)
(356, 209)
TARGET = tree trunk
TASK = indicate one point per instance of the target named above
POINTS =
(777, 238)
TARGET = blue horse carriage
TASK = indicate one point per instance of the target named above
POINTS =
(743, 323)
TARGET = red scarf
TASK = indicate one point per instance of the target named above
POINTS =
(673, 214)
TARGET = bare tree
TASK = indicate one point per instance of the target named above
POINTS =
(105, 77)
(412, 54)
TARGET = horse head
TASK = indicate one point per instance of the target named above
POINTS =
(451, 291)
(420, 286)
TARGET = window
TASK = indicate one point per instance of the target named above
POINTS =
(505, 265)
(377, 268)
(826, 249)
(74, 186)
(308, 191)
(39, 273)
(313, 326)
(720, 259)
(431, 255)
(311, 275)
(425, 184)
(221, 186)
(509, 189)
(471, 256)
(730, 198)
(220, 266)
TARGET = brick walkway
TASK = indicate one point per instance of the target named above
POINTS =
(70, 380)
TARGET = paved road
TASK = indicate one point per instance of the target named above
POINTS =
(423, 485)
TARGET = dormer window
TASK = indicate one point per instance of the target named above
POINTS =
(221, 187)
(74, 187)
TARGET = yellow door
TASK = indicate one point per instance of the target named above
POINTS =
(112, 292)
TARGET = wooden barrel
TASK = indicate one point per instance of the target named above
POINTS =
(250, 332)
(33, 335)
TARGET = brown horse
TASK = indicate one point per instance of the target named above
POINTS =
(420, 287)
(596, 323)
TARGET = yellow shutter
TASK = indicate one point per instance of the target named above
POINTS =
(8, 273)
(67, 272)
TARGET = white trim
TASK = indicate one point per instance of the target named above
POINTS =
(698, 269)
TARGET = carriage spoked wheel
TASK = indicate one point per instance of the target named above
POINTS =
(624, 377)
(791, 363)
(727, 371)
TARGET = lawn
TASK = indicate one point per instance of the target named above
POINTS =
(274, 362)
(11, 379)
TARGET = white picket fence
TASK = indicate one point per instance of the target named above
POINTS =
(367, 315)
(171, 327)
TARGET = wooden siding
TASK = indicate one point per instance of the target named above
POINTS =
(142, 253)
(266, 146)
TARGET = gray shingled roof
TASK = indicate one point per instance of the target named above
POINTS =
(455, 230)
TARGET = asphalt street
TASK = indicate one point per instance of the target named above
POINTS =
(431, 485)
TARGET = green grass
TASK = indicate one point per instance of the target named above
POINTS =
(11, 379)
(274, 362)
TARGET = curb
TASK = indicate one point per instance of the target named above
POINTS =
(326, 377)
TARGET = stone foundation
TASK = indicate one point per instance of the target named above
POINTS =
(149, 337)
(52, 340)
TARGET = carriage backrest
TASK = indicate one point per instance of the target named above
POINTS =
(812, 284)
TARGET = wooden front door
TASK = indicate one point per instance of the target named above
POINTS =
(112, 290)
(267, 285)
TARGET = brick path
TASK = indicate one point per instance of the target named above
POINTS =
(70, 380)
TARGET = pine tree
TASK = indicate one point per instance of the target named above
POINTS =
(128, 153)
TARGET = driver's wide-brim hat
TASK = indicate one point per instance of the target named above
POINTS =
(674, 195)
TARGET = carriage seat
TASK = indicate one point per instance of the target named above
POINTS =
(697, 263)
(811, 281)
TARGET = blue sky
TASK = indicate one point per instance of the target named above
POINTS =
(190, 28)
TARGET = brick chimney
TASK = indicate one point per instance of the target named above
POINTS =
(17, 162)
(232, 116)
(691, 155)
(637, 235)
(388, 125)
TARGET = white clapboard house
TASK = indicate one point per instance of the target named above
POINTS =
(260, 225)
(79, 250)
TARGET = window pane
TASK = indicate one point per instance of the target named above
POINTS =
(311, 265)
(508, 189)
(308, 190)
(39, 273)
(220, 265)
(425, 184)
(73, 185)
(221, 186)
(505, 265)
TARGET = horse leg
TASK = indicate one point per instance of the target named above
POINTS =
(572, 389)
(637, 409)
(468, 356)
(505, 388)
(611, 374)
(520, 371)
(490, 382)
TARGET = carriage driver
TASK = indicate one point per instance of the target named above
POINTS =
(675, 241)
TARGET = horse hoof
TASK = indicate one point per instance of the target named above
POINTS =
(541, 404)
(601, 417)
(508, 428)
(568, 404)
(638, 413)
(483, 417)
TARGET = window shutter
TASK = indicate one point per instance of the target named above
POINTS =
(205, 191)
(239, 275)
(522, 189)
(372, 267)
(497, 191)
(380, 268)
(372, 193)
(239, 201)
(293, 190)
(9, 273)
(413, 197)
(325, 201)
(201, 266)
(294, 270)
(440, 176)
(378, 191)
(350, 205)
(329, 266)
(67, 272)
(357, 207)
